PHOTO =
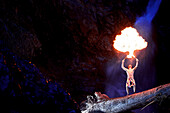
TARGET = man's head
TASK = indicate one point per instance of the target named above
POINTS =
(130, 66)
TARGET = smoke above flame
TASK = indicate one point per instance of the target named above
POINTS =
(129, 41)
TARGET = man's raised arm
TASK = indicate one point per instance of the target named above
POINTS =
(136, 64)
(123, 67)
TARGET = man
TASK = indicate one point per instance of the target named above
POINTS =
(130, 78)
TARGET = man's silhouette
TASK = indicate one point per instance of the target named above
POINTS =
(130, 78)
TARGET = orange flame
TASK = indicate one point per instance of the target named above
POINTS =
(129, 41)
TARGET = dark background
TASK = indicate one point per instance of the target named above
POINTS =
(70, 41)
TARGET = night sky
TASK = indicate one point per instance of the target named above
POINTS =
(56, 52)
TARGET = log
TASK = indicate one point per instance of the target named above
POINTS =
(129, 102)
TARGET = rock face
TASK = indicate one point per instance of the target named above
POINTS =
(67, 39)
(24, 89)
(16, 36)
(65, 25)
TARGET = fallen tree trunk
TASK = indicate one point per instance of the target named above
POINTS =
(129, 102)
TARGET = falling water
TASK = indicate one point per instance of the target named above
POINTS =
(146, 70)
(147, 67)
(145, 73)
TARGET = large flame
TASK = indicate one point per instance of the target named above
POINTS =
(129, 41)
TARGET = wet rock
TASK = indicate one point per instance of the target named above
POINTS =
(24, 89)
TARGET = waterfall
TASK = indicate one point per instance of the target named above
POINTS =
(150, 13)
(144, 23)
(146, 74)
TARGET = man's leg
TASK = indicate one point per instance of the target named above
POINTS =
(134, 86)
(127, 90)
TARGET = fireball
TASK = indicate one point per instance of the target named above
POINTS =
(128, 41)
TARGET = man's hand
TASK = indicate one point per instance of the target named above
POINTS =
(137, 60)
(123, 60)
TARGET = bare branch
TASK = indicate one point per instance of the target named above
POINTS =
(129, 102)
